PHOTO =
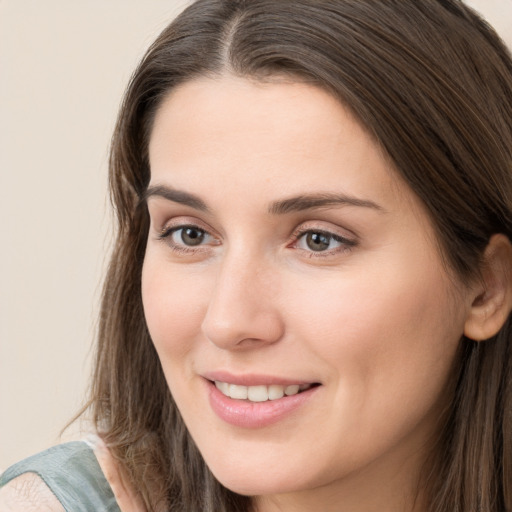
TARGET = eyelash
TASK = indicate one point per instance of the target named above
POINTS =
(166, 234)
(296, 237)
(346, 243)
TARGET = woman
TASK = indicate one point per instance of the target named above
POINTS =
(308, 304)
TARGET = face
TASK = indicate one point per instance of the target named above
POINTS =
(295, 294)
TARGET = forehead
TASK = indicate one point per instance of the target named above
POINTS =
(234, 107)
(278, 138)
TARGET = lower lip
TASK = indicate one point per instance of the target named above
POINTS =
(245, 414)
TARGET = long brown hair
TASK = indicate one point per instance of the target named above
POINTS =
(433, 84)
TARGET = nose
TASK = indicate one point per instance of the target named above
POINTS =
(242, 311)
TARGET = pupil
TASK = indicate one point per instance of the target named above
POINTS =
(192, 236)
(317, 241)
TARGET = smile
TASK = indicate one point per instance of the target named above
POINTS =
(260, 393)
(257, 405)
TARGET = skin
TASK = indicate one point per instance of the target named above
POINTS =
(375, 320)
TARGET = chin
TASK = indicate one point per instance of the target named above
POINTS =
(261, 481)
(253, 486)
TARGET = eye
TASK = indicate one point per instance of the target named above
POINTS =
(186, 238)
(322, 241)
(190, 236)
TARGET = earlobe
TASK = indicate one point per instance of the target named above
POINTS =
(492, 300)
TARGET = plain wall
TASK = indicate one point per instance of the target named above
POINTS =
(63, 67)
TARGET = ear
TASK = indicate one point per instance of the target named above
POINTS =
(492, 297)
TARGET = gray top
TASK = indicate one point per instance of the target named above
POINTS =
(73, 474)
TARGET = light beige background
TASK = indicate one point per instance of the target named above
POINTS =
(63, 67)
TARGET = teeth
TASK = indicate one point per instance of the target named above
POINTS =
(223, 387)
(275, 392)
(239, 392)
(259, 393)
(291, 390)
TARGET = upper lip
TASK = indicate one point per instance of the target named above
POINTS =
(253, 379)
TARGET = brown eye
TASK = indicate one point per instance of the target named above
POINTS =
(318, 241)
(190, 236)
(322, 241)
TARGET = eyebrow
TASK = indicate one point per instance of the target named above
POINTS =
(311, 201)
(293, 204)
(177, 196)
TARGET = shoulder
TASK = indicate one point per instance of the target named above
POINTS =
(126, 496)
(27, 493)
(78, 476)
(63, 478)
(59, 464)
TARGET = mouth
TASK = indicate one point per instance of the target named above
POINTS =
(257, 401)
(261, 393)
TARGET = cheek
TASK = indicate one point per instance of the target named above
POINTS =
(174, 307)
(389, 337)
